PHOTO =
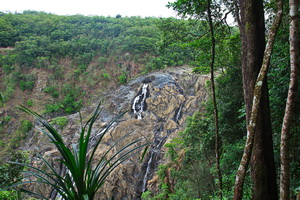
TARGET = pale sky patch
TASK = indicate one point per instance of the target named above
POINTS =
(143, 8)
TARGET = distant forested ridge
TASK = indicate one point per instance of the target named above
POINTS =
(40, 39)
(91, 49)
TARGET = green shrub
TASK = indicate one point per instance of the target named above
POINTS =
(70, 104)
(29, 102)
(60, 121)
(6, 119)
(8, 68)
(9, 91)
(122, 78)
(26, 82)
(26, 126)
(51, 108)
(42, 62)
(2, 143)
(8, 195)
(10, 171)
(146, 195)
(26, 85)
(106, 75)
(102, 60)
(52, 91)
(58, 72)
(3, 121)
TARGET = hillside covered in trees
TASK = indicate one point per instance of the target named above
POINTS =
(57, 65)
(87, 50)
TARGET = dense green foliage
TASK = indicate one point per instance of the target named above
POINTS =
(11, 172)
(279, 77)
(192, 155)
(73, 48)
(41, 39)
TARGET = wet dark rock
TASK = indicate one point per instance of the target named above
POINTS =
(172, 96)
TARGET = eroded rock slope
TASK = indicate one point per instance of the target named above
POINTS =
(158, 105)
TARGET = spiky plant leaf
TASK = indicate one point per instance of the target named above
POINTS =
(82, 180)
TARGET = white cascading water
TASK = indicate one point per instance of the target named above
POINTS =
(146, 176)
(138, 105)
(177, 117)
(147, 172)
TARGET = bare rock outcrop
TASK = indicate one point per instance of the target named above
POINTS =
(158, 105)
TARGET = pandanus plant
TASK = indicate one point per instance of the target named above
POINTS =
(84, 178)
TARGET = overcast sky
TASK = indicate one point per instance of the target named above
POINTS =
(143, 8)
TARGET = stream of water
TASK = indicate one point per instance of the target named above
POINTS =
(154, 150)
(139, 103)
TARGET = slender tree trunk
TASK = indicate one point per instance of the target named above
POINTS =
(259, 134)
(290, 103)
(217, 135)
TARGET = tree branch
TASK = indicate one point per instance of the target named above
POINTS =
(290, 103)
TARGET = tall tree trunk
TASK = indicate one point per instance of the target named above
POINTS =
(255, 62)
(290, 103)
(217, 135)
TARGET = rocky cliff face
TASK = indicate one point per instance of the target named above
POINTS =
(158, 105)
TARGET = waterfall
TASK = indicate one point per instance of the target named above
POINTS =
(147, 172)
(178, 113)
(139, 103)
(154, 150)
